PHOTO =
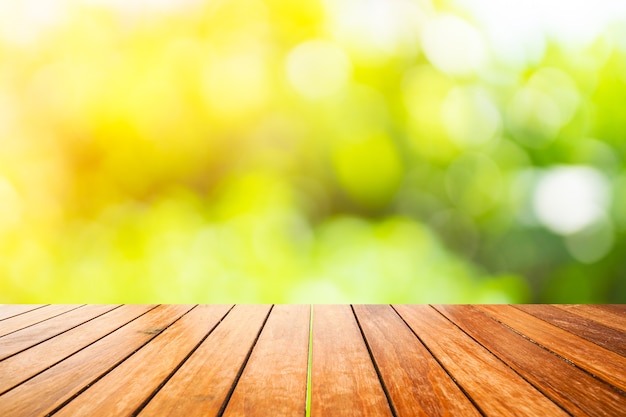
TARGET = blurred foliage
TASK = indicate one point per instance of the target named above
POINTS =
(312, 151)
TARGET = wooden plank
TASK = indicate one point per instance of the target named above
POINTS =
(343, 379)
(29, 363)
(607, 337)
(50, 389)
(601, 362)
(35, 316)
(417, 384)
(597, 313)
(147, 368)
(494, 387)
(202, 384)
(619, 309)
(11, 310)
(274, 380)
(575, 390)
(37, 333)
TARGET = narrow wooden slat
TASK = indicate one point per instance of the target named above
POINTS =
(32, 335)
(10, 310)
(619, 309)
(29, 363)
(494, 387)
(575, 390)
(343, 381)
(50, 389)
(597, 313)
(32, 317)
(147, 368)
(417, 384)
(273, 382)
(203, 383)
(601, 362)
(607, 337)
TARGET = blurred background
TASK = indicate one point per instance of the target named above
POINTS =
(312, 151)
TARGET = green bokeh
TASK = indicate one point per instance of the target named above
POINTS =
(313, 151)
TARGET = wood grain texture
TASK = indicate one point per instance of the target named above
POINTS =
(274, 380)
(495, 388)
(35, 316)
(37, 333)
(343, 381)
(619, 309)
(50, 389)
(146, 369)
(601, 362)
(202, 384)
(595, 332)
(417, 384)
(11, 310)
(575, 390)
(367, 360)
(29, 363)
(599, 313)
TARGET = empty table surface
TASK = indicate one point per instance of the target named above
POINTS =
(320, 360)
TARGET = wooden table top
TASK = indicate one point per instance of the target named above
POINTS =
(321, 360)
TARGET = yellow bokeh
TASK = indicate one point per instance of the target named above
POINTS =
(311, 151)
(368, 168)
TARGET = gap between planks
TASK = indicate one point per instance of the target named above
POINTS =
(309, 365)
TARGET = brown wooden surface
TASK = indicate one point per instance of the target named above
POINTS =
(343, 378)
(26, 364)
(598, 313)
(274, 379)
(51, 388)
(24, 338)
(202, 384)
(417, 384)
(575, 390)
(595, 359)
(111, 396)
(593, 331)
(495, 387)
(33, 317)
(366, 360)
(17, 309)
